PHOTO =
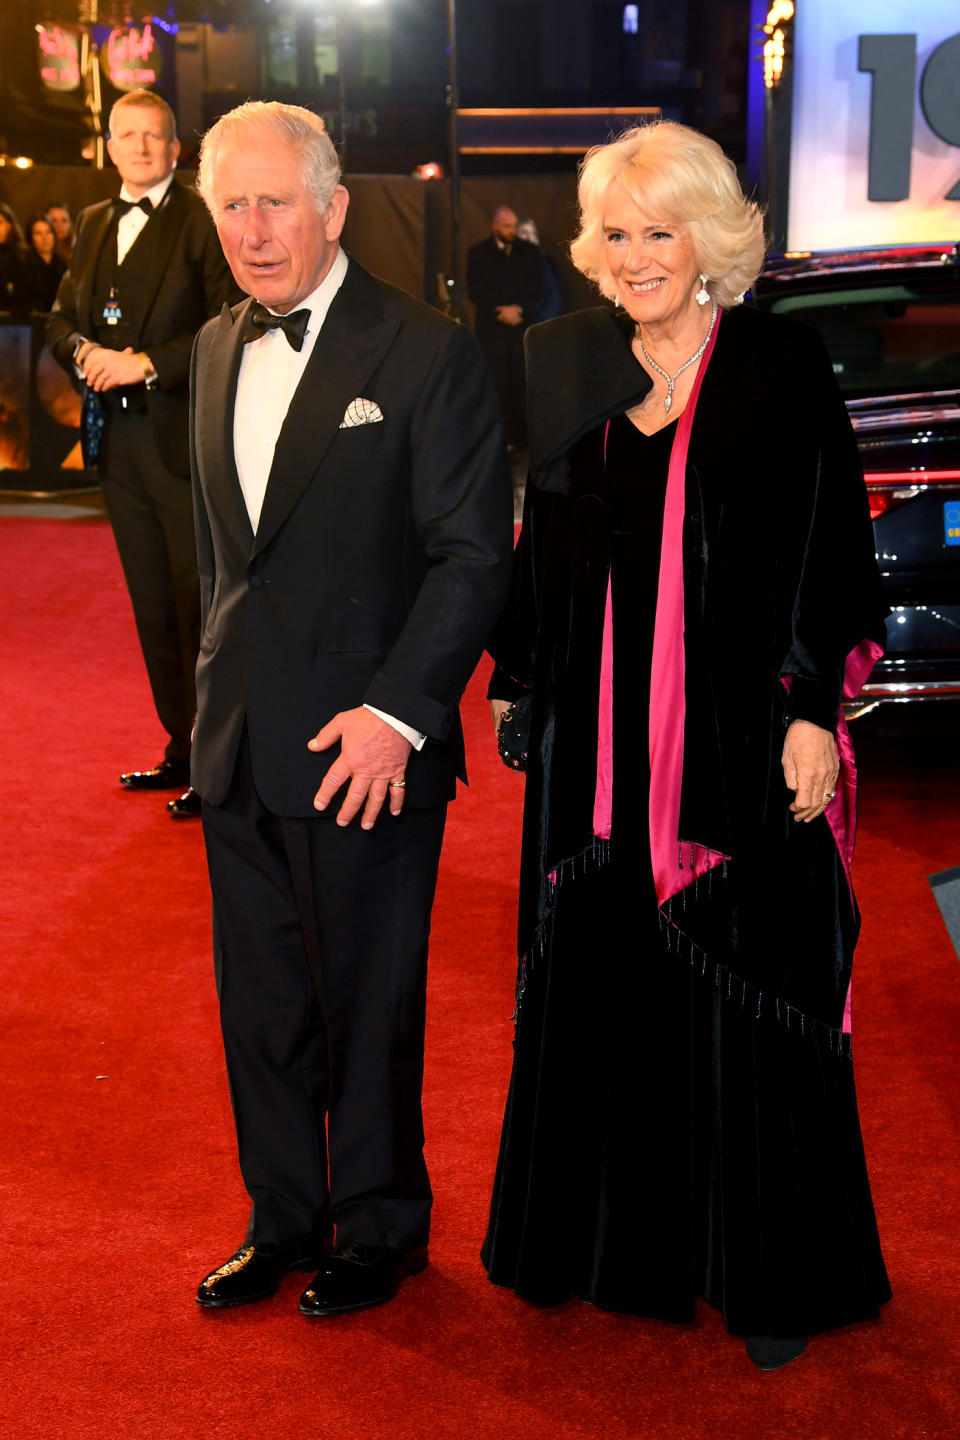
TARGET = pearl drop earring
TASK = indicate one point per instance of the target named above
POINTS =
(702, 296)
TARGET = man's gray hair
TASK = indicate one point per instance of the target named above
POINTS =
(291, 123)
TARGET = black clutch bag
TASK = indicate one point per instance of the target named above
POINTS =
(513, 733)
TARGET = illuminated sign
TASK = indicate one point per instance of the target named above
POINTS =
(775, 46)
(875, 143)
(892, 61)
(59, 53)
(131, 58)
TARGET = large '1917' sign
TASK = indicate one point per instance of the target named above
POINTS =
(875, 134)
(892, 60)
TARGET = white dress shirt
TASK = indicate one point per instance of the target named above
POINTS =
(270, 371)
(130, 224)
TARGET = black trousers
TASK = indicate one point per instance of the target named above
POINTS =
(320, 943)
(502, 347)
(151, 512)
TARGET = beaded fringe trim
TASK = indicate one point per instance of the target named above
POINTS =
(732, 988)
(588, 862)
(748, 997)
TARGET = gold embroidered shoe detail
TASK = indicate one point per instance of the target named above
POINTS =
(230, 1267)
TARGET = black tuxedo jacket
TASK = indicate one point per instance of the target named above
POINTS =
(189, 282)
(382, 555)
(496, 278)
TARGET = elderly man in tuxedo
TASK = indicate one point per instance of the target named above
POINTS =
(146, 273)
(354, 530)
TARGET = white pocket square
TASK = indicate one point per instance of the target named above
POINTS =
(361, 412)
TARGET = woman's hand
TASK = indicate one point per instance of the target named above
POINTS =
(498, 709)
(810, 768)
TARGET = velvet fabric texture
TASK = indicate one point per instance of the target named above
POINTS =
(691, 1081)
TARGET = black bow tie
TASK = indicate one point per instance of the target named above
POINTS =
(259, 320)
(122, 206)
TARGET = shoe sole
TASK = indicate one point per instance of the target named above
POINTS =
(153, 789)
(215, 1303)
(155, 786)
(415, 1267)
(241, 1300)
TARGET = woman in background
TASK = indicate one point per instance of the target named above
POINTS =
(550, 304)
(14, 274)
(44, 265)
(695, 586)
(59, 217)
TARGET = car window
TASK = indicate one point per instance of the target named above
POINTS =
(885, 339)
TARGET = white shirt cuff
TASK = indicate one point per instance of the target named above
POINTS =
(407, 731)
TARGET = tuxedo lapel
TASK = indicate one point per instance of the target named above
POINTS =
(354, 338)
(214, 408)
(99, 229)
(161, 234)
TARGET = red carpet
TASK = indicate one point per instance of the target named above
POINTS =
(119, 1186)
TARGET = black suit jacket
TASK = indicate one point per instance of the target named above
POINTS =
(190, 281)
(496, 278)
(382, 555)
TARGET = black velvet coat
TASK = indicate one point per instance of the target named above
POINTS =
(682, 1116)
(780, 580)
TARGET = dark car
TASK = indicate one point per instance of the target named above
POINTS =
(891, 322)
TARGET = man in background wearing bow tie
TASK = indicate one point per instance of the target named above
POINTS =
(147, 271)
(354, 527)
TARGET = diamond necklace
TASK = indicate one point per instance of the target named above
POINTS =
(672, 379)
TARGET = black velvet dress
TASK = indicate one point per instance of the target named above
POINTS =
(660, 1142)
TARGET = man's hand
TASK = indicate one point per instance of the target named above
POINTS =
(810, 768)
(510, 314)
(373, 757)
(106, 369)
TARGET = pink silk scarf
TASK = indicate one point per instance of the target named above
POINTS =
(678, 863)
(841, 813)
(674, 866)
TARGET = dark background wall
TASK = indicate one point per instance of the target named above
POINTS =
(379, 78)
(688, 57)
(397, 227)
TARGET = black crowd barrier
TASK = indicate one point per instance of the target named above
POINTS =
(39, 413)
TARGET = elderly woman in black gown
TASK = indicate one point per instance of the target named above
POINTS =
(695, 591)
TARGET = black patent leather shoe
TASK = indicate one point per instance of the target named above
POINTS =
(356, 1277)
(186, 806)
(168, 775)
(253, 1273)
(770, 1354)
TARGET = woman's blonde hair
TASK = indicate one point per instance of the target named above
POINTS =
(674, 174)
